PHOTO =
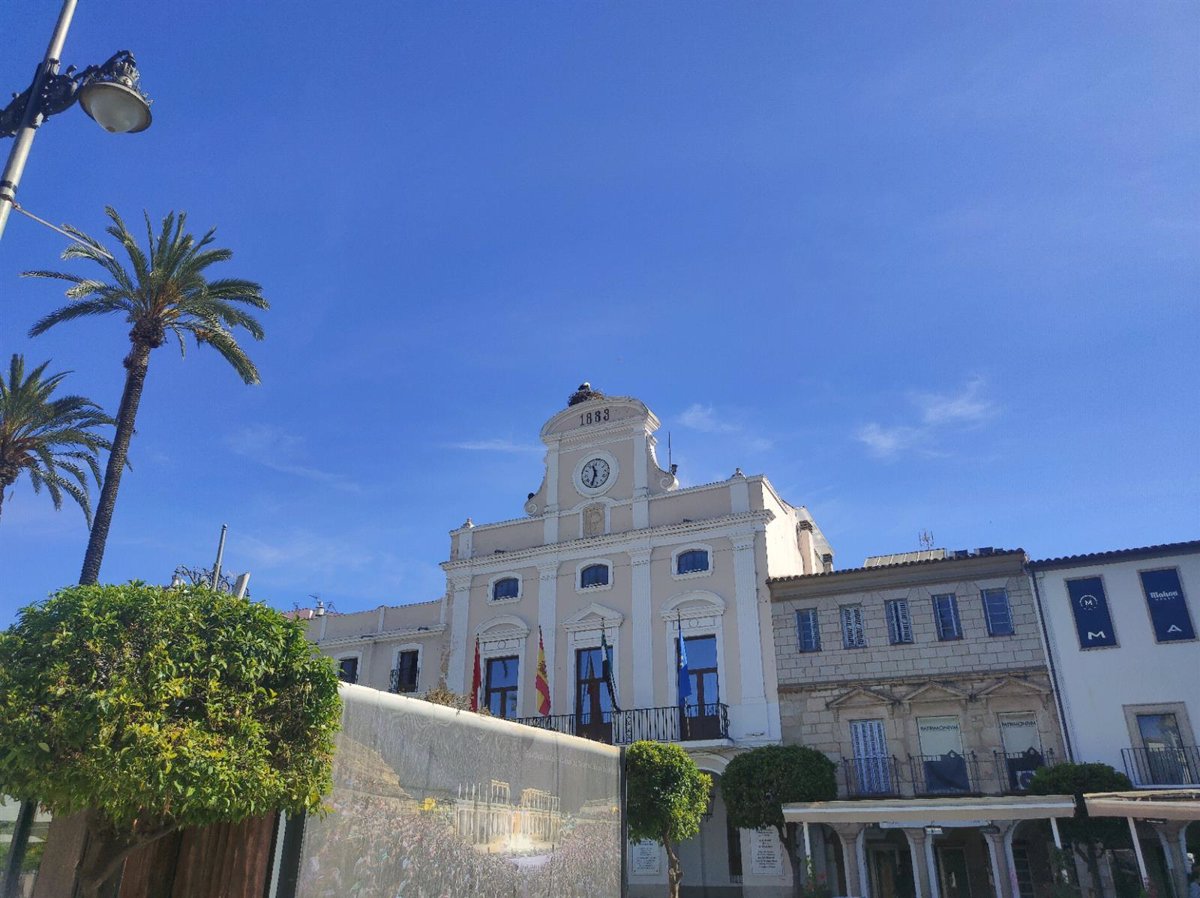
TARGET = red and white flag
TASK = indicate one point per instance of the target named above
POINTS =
(541, 681)
(476, 679)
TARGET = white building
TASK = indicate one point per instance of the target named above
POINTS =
(612, 550)
(1122, 632)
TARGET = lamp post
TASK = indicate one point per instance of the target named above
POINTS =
(108, 93)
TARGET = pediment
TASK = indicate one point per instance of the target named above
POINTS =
(594, 616)
(503, 626)
(698, 603)
(936, 692)
(1011, 686)
(859, 697)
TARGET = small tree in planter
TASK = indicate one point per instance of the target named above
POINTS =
(1087, 835)
(667, 797)
(156, 709)
(758, 783)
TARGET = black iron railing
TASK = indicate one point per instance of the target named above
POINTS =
(871, 776)
(1014, 770)
(948, 774)
(697, 722)
(396, 685)
(1163, 766)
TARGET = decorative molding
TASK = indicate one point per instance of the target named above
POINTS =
(1012, 686)
(871, 697)
(609, 617)
(502, 627)
(704, 605)
(929, 693)
(385, 636)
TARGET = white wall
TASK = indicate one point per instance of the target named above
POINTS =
(1097, 685)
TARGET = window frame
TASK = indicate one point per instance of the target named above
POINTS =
(900, 628)
(356, 657)
(586, 565)
(403, 650)
(515, 688)
(698, 684)
(683, 550)
(956, 617)
(987, 614)
(847, 642)
(500, 578)
(813, 615)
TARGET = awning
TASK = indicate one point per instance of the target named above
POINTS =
(931, 811)
(1158, 804)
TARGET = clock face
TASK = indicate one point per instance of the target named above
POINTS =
(594, 474)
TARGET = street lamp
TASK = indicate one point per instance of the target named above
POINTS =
(108, 93)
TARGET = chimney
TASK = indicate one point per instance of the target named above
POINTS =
(827, 563)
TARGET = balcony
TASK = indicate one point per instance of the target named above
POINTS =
(871, 777)
(1163, 766)
(948, 774)
(655, 724)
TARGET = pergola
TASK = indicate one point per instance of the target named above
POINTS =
(1159, 805)
(917, 814)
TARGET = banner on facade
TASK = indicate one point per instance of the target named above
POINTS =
(1168, 607)
(1090, 607)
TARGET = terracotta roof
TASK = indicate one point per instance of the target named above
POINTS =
(1117, 555)
(997, 553)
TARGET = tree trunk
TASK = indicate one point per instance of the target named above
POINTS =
(105, 853)
(136, 364)
(674, 869)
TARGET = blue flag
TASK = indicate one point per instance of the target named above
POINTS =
(685, 679)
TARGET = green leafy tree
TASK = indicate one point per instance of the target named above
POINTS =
(757, 784)
(154, 709)
(1087, 835)
(49, 438)
(164, 291)
(667, 797)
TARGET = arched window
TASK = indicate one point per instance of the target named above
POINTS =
(691, 562)
(593, 575)
(506, 588)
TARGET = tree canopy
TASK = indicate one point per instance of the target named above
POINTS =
(156, 709)
(46, 436)
(758, 783)
(1077, 779)
(165, 291)
(667, 796)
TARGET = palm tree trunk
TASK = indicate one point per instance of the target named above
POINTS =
(136, 364)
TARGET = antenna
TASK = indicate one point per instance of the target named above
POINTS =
(925, 538)
(670, 466)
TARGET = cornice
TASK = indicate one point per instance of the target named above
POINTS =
(599, 544)
(944, 570)
(383, 636)
(875, 681)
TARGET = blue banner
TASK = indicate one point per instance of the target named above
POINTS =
(1090, 608)
(1168, 607)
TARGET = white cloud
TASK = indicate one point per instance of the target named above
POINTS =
(493, 445)
(885, 442)
(939, 414)
(966, 406)
(278, 450)
(703, 418)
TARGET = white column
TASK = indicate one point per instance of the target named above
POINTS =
(550, 515)
(548, 620)
(750, 648)
(641, 482)
(643, 630)
(460, 607)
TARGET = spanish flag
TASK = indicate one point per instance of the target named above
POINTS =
(541, 681)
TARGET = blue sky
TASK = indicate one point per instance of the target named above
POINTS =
(927, 267)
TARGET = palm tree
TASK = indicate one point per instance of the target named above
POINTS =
(164, 290)
(46, 436)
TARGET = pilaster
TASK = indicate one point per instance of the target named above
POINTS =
(460, 608)
(643, 631)
(749, 634)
